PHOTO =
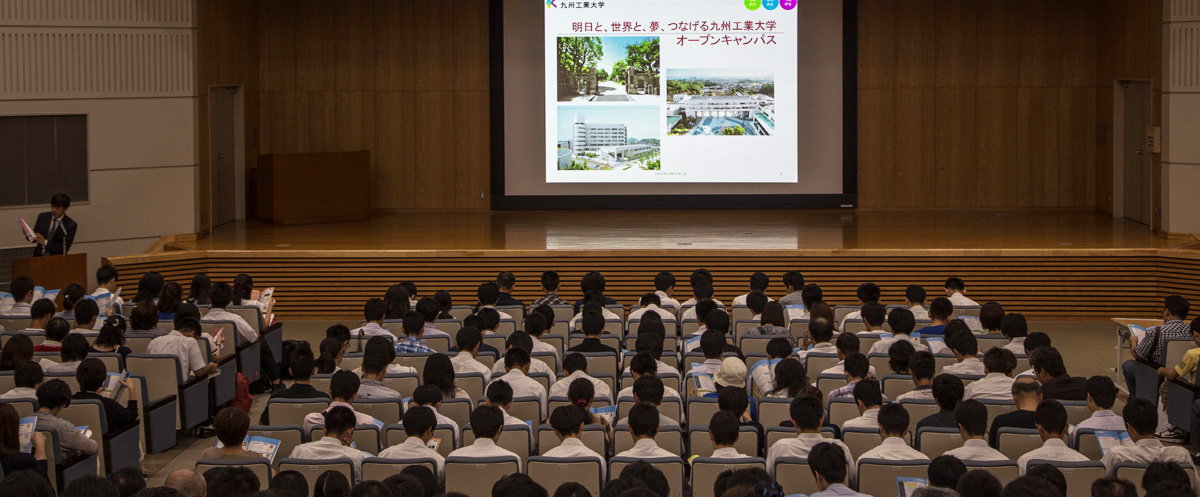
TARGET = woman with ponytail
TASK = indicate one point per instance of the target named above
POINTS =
(582, 394)
(149, 287)
(396, 302)
(71, 295)
(330, 360)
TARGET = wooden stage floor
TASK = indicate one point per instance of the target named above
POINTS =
(1079, 264)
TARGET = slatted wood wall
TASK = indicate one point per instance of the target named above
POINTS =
(1062, 285)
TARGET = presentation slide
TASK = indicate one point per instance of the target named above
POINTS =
(671, 91)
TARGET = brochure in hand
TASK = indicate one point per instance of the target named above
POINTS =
(25, 433)
(704, 384)
(607, 412)
(1109, 439)
(113, 386)
(26, 230)
(266, 447)
(908, 485)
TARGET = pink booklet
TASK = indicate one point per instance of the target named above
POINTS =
(29, 235)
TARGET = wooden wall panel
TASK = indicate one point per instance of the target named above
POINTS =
(956, 43)
(1037, 146)
(915, 182)
(472, 146)
(277, 45)
(876, 147)
(954, 147)
(916, 37)
(393, 28)
(996, 136)
(354, 45)
(1077, 146)
(394, 151)
(433, 24)
(999, 30)
(1040, 43)
(876, 44)
(471, 57)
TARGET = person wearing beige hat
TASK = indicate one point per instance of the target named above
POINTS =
(732, 373)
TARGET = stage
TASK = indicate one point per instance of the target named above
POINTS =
(1064, 263)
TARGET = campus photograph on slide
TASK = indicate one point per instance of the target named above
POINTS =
(621, 138)
(720, 102)
(608, 69)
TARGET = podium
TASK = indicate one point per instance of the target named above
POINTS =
(53, 272)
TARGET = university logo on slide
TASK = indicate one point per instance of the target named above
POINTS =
(550, 3)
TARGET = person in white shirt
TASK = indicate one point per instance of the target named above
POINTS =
(793, 283)
(998, 365)
(373, 313)
(575, 365)
(903, 323)
(487, 422)
(643, 425)
(429, 311)
(86, 312)
(691, 341)
(972, 419)
(868, 293)
(1101, 395)
(847, 345)
(522, 340)
(644, 365)
(872, 314)
(375, 362)
(664, 287)
(651, 302)
(182, 343)
(468, 340)
(26, 378)
(106, 282)
(893, 424)
(535, 326)
(921, 367)
(914, 297)
(430, 397)
(343, 389)
(702, 292)
(869, 397)
(817, 338)
(652, 343)
(724, 430)
(593, 300)
(74, 350)
(965, 346)
(222, 295)
(22, 293)
(516, 366)
(568, 422)
(489, 295)
(500, 394)
(649, 390)
(339, 422)
(1051, 421)
(807, 414)
(1141, 420)
(418, 425)
(1014, 327)
(955, 288)
(712, 344)
(762, 372)
(759, 282)
(828, 465)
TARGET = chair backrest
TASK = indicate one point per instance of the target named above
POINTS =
(918, 410)
(351, 361)
(90, 413)
(440, 344)
(842, 409)
(706, 469)
(669, 438)
(460, 312)
(289, 437)
(860, 440)
(878, 476)
(797, 328)
(1015, 442)
(1087, 443)
(699, 443)
(933, 441)
(1077, 410)
(476, 475)
(671, 467)
(829, 382)
(773, 410)
(367, 438)
(879, 361)
(701, 409)
(458, 410)
(593, 437)
(388, 411)
(286, 412)
(603, 363)
(405, 383)
(815, 362)
(528, 408)
(161, 372)
(251, 313)
(515, 439)
(1079, 475)
(312, 468)
(259, 466)
(998, 407)
(1007, 471)
(15, 323)
(374, 468)
(550, 472)
(895, 385)
(777, 433)
(472, 383)
(794, 475)
(415, 361)
(965, 310)
(450, 326)
(24, 407)
(841, 311)
(757, 344)
(855, 326)
(321, 382)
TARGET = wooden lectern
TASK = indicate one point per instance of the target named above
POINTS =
(53, 272)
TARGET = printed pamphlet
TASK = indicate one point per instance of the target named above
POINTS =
(908, 485)
(607, 412)
(25, 433)
(26, 230)
(266, 447)
(113, 386)
(704, 384)
(1109, 439)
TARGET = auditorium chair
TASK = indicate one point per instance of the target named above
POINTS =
(402, 383)
(415, 361)
(1180, 395)
(379, 469)
(24, 407)
(458, 410)
(842, 409)
(389, 411)
(740, 313)
(773, 410)
(828, 382)
(62, 471)
(1015, 442)
(507, 326)
(312, 469)
(740, 328)
(1079, 475)
(701, 409)
(289, 437)
(841, 311)
(1134, 472)
(600, 363)
(797, 328)
(550, 472)
(249, 354)
(395, 435)
(965, 310)
(672, 468)
(669, 438)
(699, 443)
(162, 375)
(794, 475)
(998, 407)
(117, 449)
(1007, 471)
(608, 339)
(918, 410)
(550, 358)
(472, 383)
(861, 440)
(1085, 442)
(895, 385)
(856, 326)
(878, 476)
(670, 326)
(223, 383)
(259, 466)
(819, 361)
(460, 312)
(449, 326)
(527, 408)
(688, 326)
(593, 436)
(320, 382)
(671, 408)
(368, 438)
(269, 334)
(757, 344)
(934, 441)
(1077, 411)
(563, 312)
(291, 412)
(476, 475)
(705, 470)
(556, 339)
(670, 343)
(670, 379)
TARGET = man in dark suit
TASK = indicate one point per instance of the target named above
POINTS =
(54, 231)
(1052, 374)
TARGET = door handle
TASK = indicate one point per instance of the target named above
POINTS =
(222, 156)
(1138, 151)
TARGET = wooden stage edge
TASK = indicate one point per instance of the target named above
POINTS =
(1046, 264)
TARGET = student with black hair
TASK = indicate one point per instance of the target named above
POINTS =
(947, 392)
(414, 329)
(940, 311)
(1052, 374)
(431, 396)
(222, 296)
(106, 282)
(505, 281)
(568, 422)
(575, 366)
(664, 287)
(955, 288)
(419, 424)
(980, 483)
(374, 365)
(651, 303)
(1153, 346)
(828, 463)
(1113, 487)
(712, 345)
(921, 367)
(500, 394)
(643, 422)
(724, 429)
(788, 380)
(869, 397)
(893, 425)
(902, 322)
(74, 349)
(807, 414)
(818, 337)
(181, 343)
(488, 294)
(702, 291)
(1051, 421)
(1101, 395)
(855, 368)
(487, 421)
(343, 389)
(27, 377)
(92, 376)
(593, 329)
(649, 390)
(516, 367)
(1049, 473)
(339, 422)
(56, 329)
(1014, 327)
(469, 341)
(641, 365)
(86, 313)
(594, 300)
(998, 366)
(1141, 419)
(759, 281)
(521, 340)
(53, 396)
(652, 343)
(518, 485)
(847, 344)
(302, 367)
(1027, 395)
(373, 313)
(550, 284)
(130, 481)
(793, 283)
(535, 326)
(944, 472)
(965, 348)
(429, 311)
(762, 372)
(867, 293)
(1165, 473)
(21, 289)
(972, 419)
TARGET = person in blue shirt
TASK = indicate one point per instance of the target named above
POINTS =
(939, 313)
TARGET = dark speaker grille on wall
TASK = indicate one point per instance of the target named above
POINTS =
(6, 257)
(41, 156)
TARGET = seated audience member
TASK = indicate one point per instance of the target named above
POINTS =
(343, 389)
(568, 422)
(652, 343)
(143, 321)
(947, 392)
(847, 345)
(490, 321)
(921, 367)
(505, 281)
(522, 340)
(374, 311)
(868, 293)
(955, 288)
(18, 349)
(1027, 395)
(516, 367)
(762, 372)
(700, 292)
(965, 347)
(518, 485)
(52, 397)
(998, 365)
(817, 338)
(1153, 346)
(302, 366)
(414, 329)
(1101, 395)
(1052, 374)
(724, 431)
(664, 287)
(487, 422)
(222, 296)
(57, 330)
(12, 459)
(86, 312)
(332, 483)
(418, 425)
(576, 367)
(1051, 420)
(422, 478)
(980, 483)
(582, 394)
(793, 283)
(339, 421)
(469, 340)
(429, 311)
(594, 300)
(331, 351)
(651, 303)
(869, 397)
(27, 378)
(772, 320)
(645, 365)
(649, 390)
(712, 345)
(1113, 487)
(22, 293)
(231, 425)
(130, 481)
(898, 356)
(200, 291)
(914, 300)
(1141, 419)
(1034, 341)
(550, 285)
(944, 473)
(893, 425)
(972, 419)
(500, 394)
(807, 414)
(439, 372)
(734, 400)
(1049, 473)
(398, 301)
(828, 463)
(431, 397)
(1187, 364)
(374, 364)
(940, 311)
(106, 282)
(40, 314)
(535, 327)
(446, 301)
(169, 300)
(92, 376)
(718, 319)
(643, 425)
(593, 329)
(74, 350)
(1163, 474)
(991, 317)
(902, 323)
(759, 282)
(1014, 327)
(855, 369)
(111, 338)
(228, 480)
(182, 343)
